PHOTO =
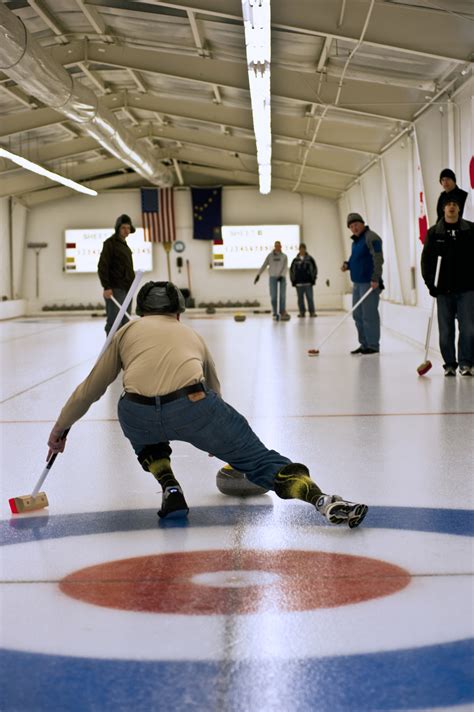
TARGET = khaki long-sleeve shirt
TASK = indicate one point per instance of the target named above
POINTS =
(157, 353)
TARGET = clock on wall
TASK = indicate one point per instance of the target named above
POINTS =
(179, 246)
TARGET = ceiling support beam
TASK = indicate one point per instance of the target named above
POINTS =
(48, 18)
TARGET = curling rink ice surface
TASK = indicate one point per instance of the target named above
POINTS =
(251, 605)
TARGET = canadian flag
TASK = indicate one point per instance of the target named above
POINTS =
(422, 217)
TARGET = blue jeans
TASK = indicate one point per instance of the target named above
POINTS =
(366, 317)
(211, 425)
(111, 309)
(450, 306)
(305, 290)
(274, 283)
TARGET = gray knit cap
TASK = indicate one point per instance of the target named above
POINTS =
(354, 217)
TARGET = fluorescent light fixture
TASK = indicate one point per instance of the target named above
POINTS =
(36, 168)
(256, 15)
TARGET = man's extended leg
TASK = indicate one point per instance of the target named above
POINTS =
(293, 481)
(156, 459)
(217, 428)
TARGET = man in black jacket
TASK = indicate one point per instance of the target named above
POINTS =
(115, 269)
(447, 178)
(453, 240)
(303, 274)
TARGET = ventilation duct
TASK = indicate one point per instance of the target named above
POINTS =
(31, 67)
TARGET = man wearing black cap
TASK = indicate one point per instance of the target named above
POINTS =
(365, 265)
(452, 239)
(172, 392)
(447, 178)
(115, 269)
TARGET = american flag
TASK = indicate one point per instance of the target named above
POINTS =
(158, 214)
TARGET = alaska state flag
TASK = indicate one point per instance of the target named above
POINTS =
(207, 213)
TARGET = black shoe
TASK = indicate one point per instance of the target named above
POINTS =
(369, 351)
(360, 350)
(300, 316)
(313, 314)
(173, 504)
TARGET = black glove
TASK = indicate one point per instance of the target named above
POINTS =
(256, 279)
(433, 291)
(381, 284)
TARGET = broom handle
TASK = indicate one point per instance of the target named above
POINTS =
(117, 304)
(430, 321)
(44, 474)
(115, 326)
(370, 289)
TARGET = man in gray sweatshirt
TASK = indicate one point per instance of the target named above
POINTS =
(277, 263)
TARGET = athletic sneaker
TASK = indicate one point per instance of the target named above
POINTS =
(358, 350)
(338, 511)
(173, 504)
(276, 317)
(450, 370)
(465, 370)
(285, 316)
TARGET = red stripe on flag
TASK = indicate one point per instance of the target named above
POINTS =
(166, 227)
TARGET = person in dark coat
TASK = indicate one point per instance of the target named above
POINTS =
(303, 275)
(452, 239)
(115, 269)
(365, 266)
(447, 178)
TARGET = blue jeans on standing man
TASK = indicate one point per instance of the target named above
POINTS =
(111, 309)
(281, 303)
(211, 425)
(366, 317)
(450, 306)
(302, 291)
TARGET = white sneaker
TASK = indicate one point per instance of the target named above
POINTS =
(465, 370)
(450, 371)
(339, 511)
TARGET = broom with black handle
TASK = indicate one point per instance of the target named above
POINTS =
(39, 500)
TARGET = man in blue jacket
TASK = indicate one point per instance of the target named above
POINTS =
(365, 265)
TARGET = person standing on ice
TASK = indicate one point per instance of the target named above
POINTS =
(365, 266)
(277, 263)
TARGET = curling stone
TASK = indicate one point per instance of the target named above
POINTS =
(235, 484)
(239, 317)
(210, 310)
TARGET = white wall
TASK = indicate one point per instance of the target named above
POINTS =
(316, 216)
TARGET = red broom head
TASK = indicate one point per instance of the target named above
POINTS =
(424, 368)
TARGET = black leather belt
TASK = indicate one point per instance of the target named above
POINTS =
(151, 400)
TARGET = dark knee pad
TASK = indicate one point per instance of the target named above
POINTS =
(290, 479)
(157, 451)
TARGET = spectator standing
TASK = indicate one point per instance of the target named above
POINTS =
(453, 240)
(447, 178)
(365, 265)
(277, 263)
(115, 269)
(303, 275)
